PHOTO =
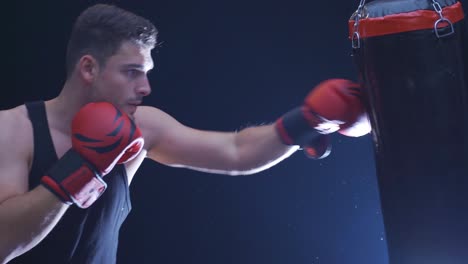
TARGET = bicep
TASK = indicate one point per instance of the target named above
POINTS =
(197, 149)
(13, 177)
(174, 144)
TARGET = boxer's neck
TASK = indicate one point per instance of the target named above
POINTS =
(62, 109)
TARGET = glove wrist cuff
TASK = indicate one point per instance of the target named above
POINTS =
(297, 128)
(74, 180)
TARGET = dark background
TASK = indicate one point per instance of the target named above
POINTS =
(224, 65)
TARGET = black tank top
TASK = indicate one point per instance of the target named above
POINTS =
(82, 236)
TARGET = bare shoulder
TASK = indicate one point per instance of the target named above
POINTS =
(16, 128)
(16, 151)
(145, 114)
(155, 124)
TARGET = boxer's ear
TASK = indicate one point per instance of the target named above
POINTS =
(88, 68)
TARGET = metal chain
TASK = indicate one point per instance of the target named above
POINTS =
(441, 19)
(356, 39)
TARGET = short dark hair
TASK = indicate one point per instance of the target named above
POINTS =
(101, 29)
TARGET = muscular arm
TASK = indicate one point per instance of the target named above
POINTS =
(245, 152)
(25, 217)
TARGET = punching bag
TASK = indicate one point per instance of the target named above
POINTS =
(412, 59)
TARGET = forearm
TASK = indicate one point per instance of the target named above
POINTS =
(27, 219)
(259, 148)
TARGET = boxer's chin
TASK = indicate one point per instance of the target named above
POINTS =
(130, 110)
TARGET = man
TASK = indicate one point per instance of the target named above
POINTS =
(67, 162)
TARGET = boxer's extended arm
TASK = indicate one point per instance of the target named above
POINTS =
(248, 151)
(25, 217)
(334, 105)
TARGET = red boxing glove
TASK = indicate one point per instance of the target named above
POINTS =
(335, 101)
(102, 135)
(332, 105)
(341, 101)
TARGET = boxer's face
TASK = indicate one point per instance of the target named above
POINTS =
(123, 79)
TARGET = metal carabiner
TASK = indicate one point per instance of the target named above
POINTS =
(356, 38)
(436, 29)
(442, 19)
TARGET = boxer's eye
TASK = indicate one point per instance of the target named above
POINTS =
(132, 73)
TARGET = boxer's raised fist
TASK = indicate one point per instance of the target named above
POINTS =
(102, 135)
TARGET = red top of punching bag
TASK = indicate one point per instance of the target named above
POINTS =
(404, 21)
